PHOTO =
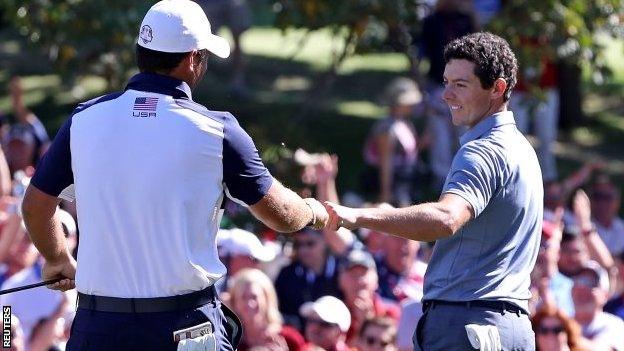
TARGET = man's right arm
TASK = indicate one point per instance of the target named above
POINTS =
(247, 180)
(284, 211)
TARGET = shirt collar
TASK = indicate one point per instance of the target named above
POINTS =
(160, 84)
(496, 120)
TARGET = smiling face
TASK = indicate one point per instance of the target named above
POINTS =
(250, 303)
(468, 101)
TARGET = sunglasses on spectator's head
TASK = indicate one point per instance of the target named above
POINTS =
(371, 341)
(304, 244)
(320, 322)
(550, 330)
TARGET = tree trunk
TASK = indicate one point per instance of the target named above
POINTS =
(571, 97)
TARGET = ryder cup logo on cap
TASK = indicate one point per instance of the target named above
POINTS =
(146, 34)
(179, 26)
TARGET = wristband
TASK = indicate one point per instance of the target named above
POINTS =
(313, 220)
(589, 231)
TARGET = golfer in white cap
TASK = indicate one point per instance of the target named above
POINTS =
(149, 169)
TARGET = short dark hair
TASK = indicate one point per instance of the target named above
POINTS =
(156, 61)
(491, 55)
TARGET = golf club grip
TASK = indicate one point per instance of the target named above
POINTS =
(30, 286)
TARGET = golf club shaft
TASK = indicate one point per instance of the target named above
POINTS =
(30, 286)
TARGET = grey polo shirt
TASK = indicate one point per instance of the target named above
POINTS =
(490, 258)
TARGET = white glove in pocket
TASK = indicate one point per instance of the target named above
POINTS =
(483, 337)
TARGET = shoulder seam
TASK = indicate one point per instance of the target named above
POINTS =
(202, 110)
(90, 103)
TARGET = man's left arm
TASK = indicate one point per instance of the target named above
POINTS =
(52, 176)
(46, 233)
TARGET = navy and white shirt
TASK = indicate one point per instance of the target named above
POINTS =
(148, 168)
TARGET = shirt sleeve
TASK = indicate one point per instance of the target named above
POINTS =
(245, 176)
(476, 175)
(54, 172)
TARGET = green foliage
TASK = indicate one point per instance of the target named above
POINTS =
(365, 25)
(80, 36)
(568, 30)
(97, 36)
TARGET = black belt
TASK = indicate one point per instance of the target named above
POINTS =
(147, 304)
(490, 305)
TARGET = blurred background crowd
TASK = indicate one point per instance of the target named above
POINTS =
(361, 290)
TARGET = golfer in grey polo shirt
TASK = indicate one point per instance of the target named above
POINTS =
(487, 222)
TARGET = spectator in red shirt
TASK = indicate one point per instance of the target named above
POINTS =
(541, 112)
(358, 282)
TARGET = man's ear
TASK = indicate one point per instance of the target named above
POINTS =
(193, 58)
(185, 66)
(499, 88)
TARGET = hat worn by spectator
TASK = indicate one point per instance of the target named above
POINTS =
(403, 91)
(237, 241)
(179, 26)
(601, 275)
(359, 258)
(67, 221)
(330, 310)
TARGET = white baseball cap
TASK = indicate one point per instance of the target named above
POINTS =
(330, 310)
(237, 241)
(179, 26)
(67, 221)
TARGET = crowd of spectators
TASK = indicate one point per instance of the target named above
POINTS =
(343, 290)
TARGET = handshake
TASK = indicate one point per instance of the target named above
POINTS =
(331, 216)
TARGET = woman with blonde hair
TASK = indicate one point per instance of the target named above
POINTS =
(253, 298)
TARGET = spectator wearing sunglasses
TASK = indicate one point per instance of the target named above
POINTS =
(554, 330)
(312, 274)
(590, 293)
(327, 321)
(378, 334)
(605, 203)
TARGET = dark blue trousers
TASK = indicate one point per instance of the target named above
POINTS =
(105, 331)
